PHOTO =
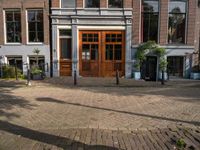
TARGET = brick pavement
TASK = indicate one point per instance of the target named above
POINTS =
(99, 105)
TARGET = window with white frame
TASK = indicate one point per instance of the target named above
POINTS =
(68, 3)
(115, 3)
(92, 3)
(35, 26)
(177, 21)
(13, 26)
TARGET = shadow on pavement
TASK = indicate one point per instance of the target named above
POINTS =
(46, 99)
(46, 138)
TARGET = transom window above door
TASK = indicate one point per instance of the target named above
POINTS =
(115, 3)
(92, 3)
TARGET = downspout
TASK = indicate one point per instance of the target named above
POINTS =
(50, 40)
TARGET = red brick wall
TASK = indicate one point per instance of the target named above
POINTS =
(28, 4)
(79, 3)
(191, 21)
(128, 3)
(136, 21)
(55, 3)
(103, 3)
(163, 22)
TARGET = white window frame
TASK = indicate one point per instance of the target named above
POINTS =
(5, 30)
(27, 30)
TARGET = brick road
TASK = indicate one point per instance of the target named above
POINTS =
(48, 109)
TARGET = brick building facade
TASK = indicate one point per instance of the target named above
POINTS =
(24, 26)
(96, 38)
(177, 31)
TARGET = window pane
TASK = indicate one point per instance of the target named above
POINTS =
(151, 6)
(31, 16)
(17, 16)
(109, 52)
(40, 37)
(10, 37)
(66, 48)
(9, 16)
(118, 52)
(39, 15)
(31, 26)
(40, 26)
(86, 52)
(150, 27)
(94, 52)
(68, 3)
(65, 33)
(177, 6)
(32, 37)
(115, 3)
(35, 26)
(13, 26)
(92, 3)
(176, 33)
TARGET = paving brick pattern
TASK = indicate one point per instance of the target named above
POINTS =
(54, 108)
(15, 137)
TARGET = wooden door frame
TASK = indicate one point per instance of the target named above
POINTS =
(102, 49)
(66, 61)
(81, 32)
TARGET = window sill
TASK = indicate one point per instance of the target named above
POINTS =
(35, 43)
(13, 44)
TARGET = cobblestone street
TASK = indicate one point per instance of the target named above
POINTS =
(54, 108)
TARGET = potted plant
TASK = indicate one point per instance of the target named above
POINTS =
(195, 74)
(136, 72)
(36, 72)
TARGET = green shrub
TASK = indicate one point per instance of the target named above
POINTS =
(9, 72)
(36, 70)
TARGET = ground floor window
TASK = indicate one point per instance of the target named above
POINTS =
(41, 62)
(175, 66)
(15, 61)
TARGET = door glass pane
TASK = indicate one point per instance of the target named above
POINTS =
(109, 52)
(66, 48)
(94, 52)
(118, 52)
(86, 52)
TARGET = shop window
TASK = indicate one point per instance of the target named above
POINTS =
(15, 61)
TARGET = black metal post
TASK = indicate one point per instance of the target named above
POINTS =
(163, 78)
(75, 78)
(16, 75)
(117, 77)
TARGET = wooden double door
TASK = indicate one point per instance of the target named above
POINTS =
(101, 53)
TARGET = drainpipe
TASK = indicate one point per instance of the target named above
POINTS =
(50, 40)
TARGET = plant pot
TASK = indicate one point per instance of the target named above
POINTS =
(137, 75)
(195, 76)
(37, 77)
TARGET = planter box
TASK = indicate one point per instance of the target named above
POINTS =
(137, 75)
(37, 77)
(195, 76)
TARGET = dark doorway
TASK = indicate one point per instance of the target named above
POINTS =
(149, 68)
(175, 66)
